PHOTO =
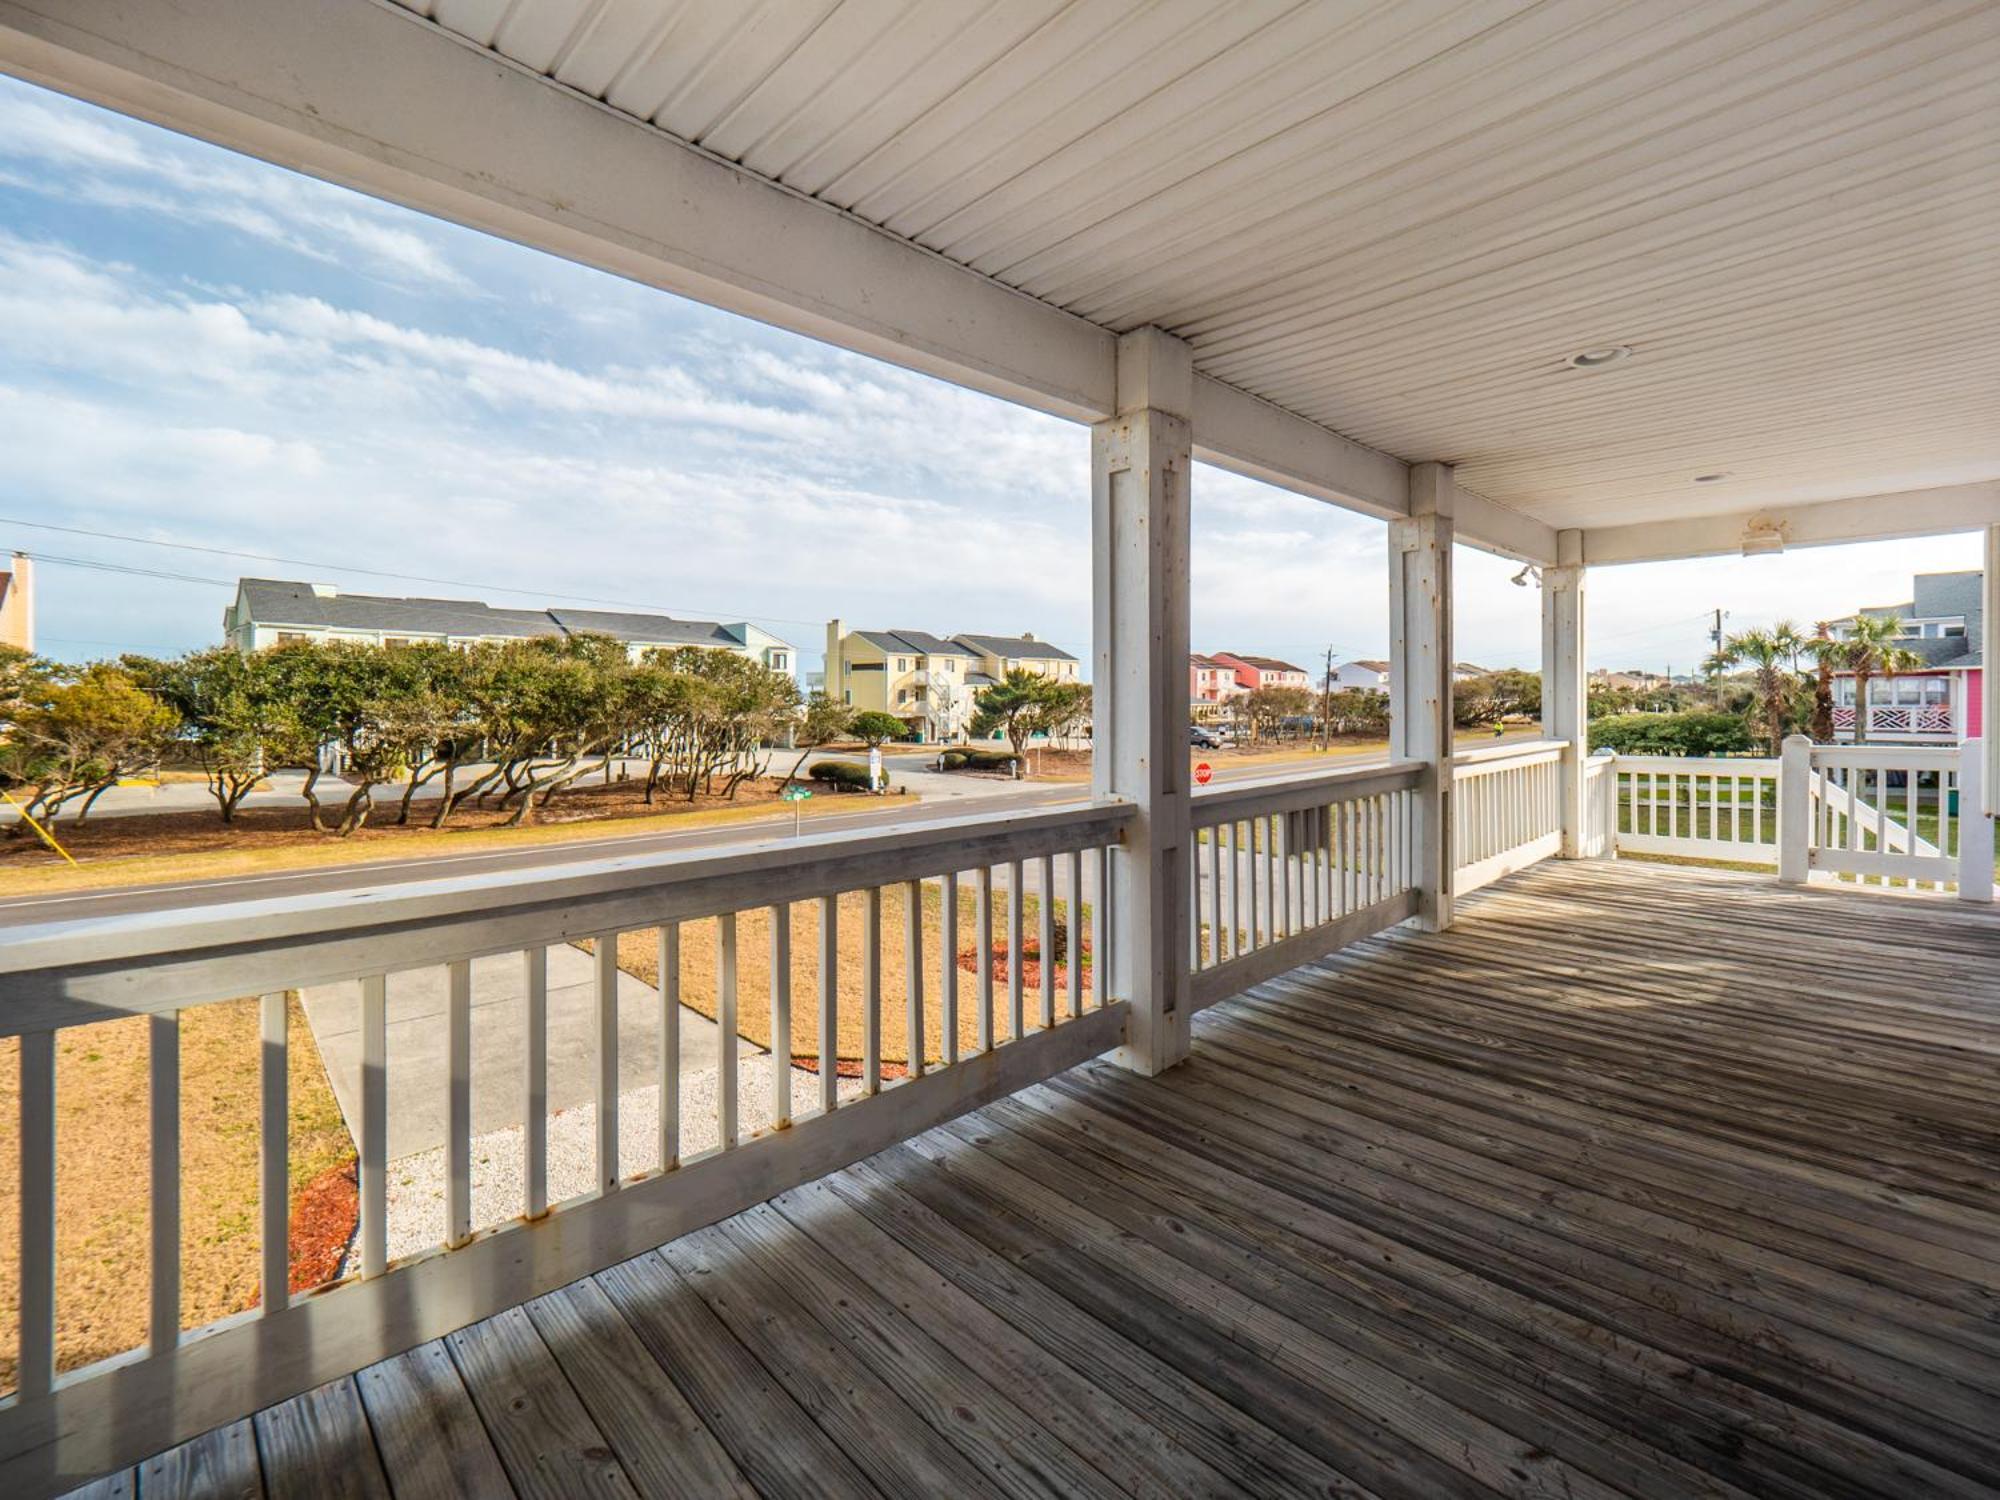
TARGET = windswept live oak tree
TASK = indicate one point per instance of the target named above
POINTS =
(515, 722)
(873, 727)
(821, 721)
(72, 732)
(1024, 704)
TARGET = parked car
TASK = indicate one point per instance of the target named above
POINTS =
(1203, 739)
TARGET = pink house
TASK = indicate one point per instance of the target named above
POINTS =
(1254, 672)
(1209, 681)
(1940, 700)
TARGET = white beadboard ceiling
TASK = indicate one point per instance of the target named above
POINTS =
(1397, 219)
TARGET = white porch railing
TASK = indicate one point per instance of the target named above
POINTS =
(1508, 813)
(1289, 869)
(1876, 814)
(1903, 815)
(1695, 808)
(119, 1410)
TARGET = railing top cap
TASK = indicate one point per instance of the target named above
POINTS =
(1512, 750)
(570, 888)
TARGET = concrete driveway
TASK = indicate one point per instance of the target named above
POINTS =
(418, 1064)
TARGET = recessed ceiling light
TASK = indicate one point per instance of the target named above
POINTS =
(1710, 478)
(1598, 358)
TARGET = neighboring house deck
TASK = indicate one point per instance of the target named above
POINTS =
(1444, 1213)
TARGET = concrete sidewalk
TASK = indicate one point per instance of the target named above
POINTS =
(419, 1065)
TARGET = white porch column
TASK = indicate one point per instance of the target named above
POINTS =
(1139, 464)
(1565, 715)
(1989, 676)
(1420, 662)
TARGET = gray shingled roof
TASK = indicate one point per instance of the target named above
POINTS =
(658, 629)
(911, 642)
(273, 601)
(281, 602)
(1014, 645)
(923, 643)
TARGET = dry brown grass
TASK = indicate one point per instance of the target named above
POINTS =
(102, 1144)
(638, 955)
(160, 847)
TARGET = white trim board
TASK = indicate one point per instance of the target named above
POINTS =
(1857, 518)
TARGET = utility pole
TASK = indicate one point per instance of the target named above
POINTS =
(1715, 669)
(1326, 705)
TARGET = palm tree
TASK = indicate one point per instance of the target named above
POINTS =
(1772, 655)
(1870, 651)
(1827, 654)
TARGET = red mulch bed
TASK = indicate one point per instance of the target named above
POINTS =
(845, 1067)
(323, 1224)
(1031, 965)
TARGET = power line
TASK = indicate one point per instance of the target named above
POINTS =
(326, 567)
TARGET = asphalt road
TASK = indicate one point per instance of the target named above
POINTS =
(65, 906)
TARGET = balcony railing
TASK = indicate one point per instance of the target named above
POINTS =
(1915, 721)
(1291, 868)
(158, 965)
(1508, 812)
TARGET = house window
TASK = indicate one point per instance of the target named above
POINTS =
(286, 637)
(1955, 630)
(902, 664)
(395, 640)
(902, 695)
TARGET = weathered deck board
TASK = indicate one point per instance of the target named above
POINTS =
(1640, 1181)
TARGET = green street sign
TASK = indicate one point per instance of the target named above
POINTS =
(796, 794)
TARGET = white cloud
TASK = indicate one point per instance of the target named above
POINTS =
(74, 153)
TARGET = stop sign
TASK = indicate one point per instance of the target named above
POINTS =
(1202, 772)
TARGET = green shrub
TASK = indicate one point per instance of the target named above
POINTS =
(1696, 734)
(851, 774)
(978, 760)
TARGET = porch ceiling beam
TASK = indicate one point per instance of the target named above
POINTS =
(370, 96)
(1856, 518)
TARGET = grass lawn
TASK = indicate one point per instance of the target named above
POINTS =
(102, 1135)
(638, 955)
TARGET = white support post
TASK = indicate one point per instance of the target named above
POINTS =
(1975, 825)
(1420, 661)
(1565, 714)
(1989, 647)
(1140, 463)
(1795, 811)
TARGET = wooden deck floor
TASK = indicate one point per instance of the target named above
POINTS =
(1641, 1181)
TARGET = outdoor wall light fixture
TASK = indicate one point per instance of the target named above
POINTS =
(1763, 537)
(1528, 573)
(1599, 358)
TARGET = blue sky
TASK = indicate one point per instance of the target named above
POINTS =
(202, 349)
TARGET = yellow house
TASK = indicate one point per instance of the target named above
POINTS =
(929, 681)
